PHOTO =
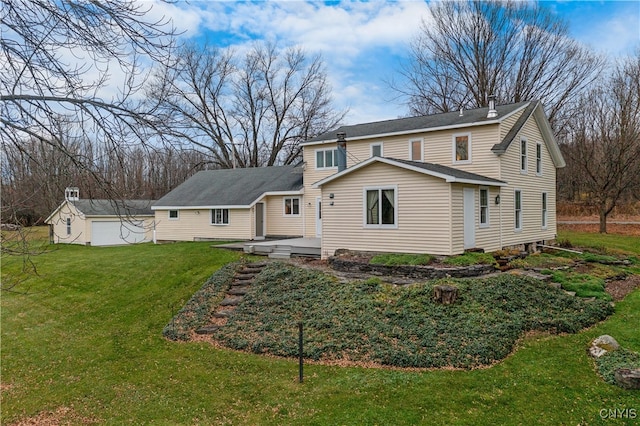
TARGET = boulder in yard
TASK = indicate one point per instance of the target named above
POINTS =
(603, 344)
(628, 378)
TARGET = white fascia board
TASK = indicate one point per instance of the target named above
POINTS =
(478, 182)
(197, 207)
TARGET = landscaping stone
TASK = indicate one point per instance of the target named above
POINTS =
(408, 271)
(628, 378)
(601, 345)
(606, 342)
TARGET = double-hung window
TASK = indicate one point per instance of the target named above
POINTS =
(538, 159)
(380, 207)
(219, 216)
(523, 155)
(484, 207)
(544, 210)
(292, 206)
(415, 149)
(462, 148)
(518, 209)
(327, 158)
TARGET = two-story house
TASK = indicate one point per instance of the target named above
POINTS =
(438, 184)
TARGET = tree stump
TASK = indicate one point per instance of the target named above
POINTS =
(628, 378)
(445, 294)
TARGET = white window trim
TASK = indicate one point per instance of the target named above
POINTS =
(539, 159)
(411, 141)
(177, 214)
(284, 207)
(380, 144)
(518, 229)
(324, 150)
(544, 199)
(395, 209)
(524, 155)
(212, 216)
(487, 224)
(453, 148)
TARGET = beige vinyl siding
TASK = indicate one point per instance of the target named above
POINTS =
(58, 221)
(195, 224)
(423, 211)
(532, 187)
(277, 223)
(488, 237)
(508, 123)
(311, 176)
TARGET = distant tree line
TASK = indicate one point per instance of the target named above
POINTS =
(184, 108)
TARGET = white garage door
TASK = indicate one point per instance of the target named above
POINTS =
(116, 232)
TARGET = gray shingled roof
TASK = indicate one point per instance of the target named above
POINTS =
(401, 125)
(449, 171)
(114, 207)
(232, 187)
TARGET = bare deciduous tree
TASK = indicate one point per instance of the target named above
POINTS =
(514, 50)
(247, 112)
(59, 58)
(603, 147)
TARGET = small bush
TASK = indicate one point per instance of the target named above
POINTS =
(470, 258)
(392, 259)
(608, 363)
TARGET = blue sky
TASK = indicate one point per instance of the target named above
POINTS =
(363, 43)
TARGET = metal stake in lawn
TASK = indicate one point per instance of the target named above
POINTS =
(300, 350)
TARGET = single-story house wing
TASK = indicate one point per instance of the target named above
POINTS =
(233, 204)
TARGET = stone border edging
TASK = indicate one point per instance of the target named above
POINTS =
(409, 271)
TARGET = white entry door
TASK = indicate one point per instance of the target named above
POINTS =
(469, 206)
(318, 217)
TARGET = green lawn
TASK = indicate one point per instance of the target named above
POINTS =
(88, 337)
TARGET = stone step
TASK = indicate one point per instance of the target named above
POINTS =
(238, 290)
(222, 314)
(253, 271)
(241, 283)
(258, 265)
(208, 329)
(243, 277)
(231, 301)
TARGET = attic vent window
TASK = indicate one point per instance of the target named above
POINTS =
(72, 194)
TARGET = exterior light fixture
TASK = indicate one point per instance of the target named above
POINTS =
(497, 199)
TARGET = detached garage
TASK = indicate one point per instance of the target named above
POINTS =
(101, 222)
